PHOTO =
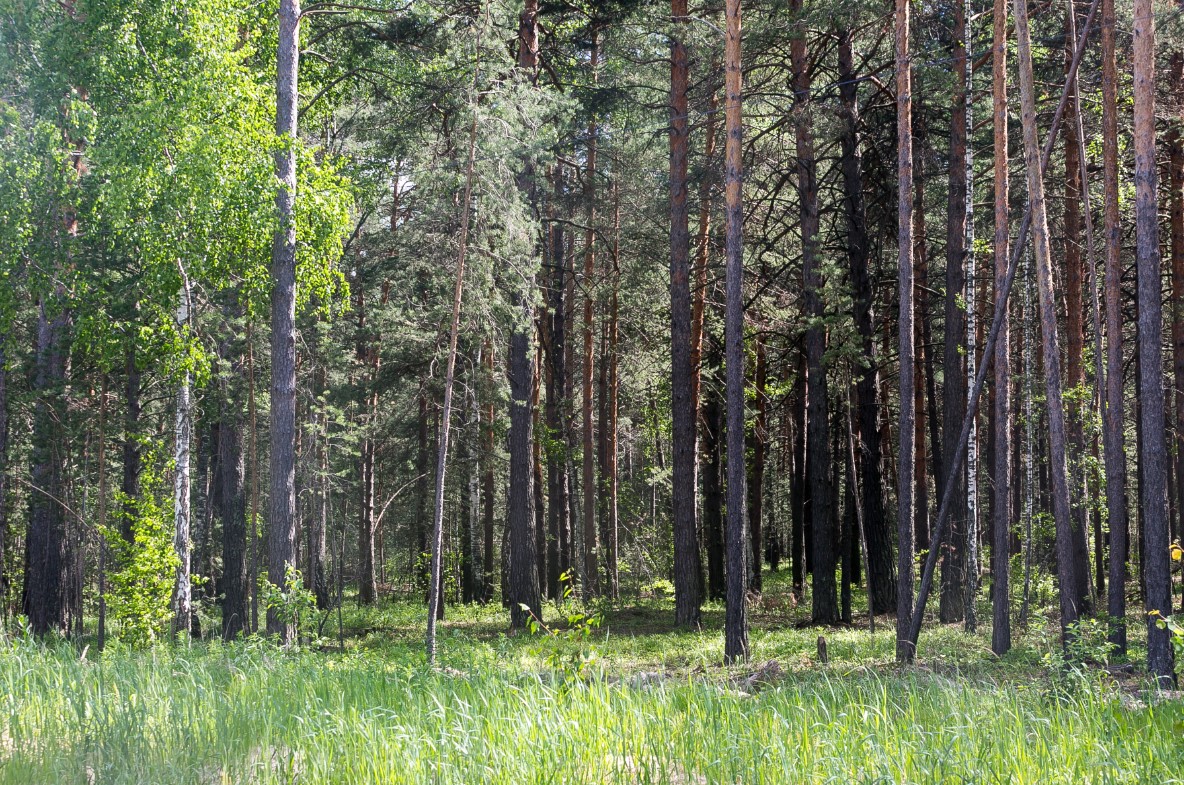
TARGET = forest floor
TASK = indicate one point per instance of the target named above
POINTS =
(629, 701)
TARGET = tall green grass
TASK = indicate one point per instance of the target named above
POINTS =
(214, 713)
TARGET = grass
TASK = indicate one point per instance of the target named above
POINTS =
(659, 708)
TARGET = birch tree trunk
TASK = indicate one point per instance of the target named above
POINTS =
(282, 499)
(182, 435)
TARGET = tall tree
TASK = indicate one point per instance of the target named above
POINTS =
(182, 433)
(591, 538)
(952, 605)
(282, 517)
(875, 525)
(1153, 460)
(1066, 564)
(825, 600)
(904, 228)
(736, 622)
(688, 589)
(522, 579)
(1001, 473)
(1112, 421)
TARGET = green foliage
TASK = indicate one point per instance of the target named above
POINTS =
(575, 660)
(291, 602)
(140, 588)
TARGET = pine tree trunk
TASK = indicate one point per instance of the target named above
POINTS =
(952, 606)
(825, 601)
(798, 563)
(558, 523)
(713, 521)
(1001, 474)
(688, 588)
(282, 499)
(1175, 145)
(487, 479)
(1075, 332)
(1152, 459)
(522, 580)
(736, 618)
(876, 526)
(904, 224)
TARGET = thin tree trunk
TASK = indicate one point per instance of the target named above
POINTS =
(1036, 174)
(1075, 331)
(102, 519)
(1153, 460)
(591, 539)
(797, 490)
(558, 522)
(756, 470)
(435, 603)
(487, 479)
(182, 433)
(713, 522)
(282, 499)
(253, 524)
(688, 588)
(1001, 476)
(318, 531)
(609, 425)
(1112, 414)
(972, 560)
(130, 485)
(904, 228)
(736, 621)
(231, 472)
(1175, 145)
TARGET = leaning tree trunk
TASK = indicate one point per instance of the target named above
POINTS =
(282, 518)
(736, 621)
(1066, 564)
(1153, 460)
(904, 228)
(875, 525)
(688, 588)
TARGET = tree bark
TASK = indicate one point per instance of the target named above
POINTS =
(736, 619)
(1175, 145)
(282, 499)
(591, 538)
(1153, 459)
(713, 522)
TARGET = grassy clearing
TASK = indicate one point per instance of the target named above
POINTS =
(659, 709)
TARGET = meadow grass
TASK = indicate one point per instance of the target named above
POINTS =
(656, 708)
